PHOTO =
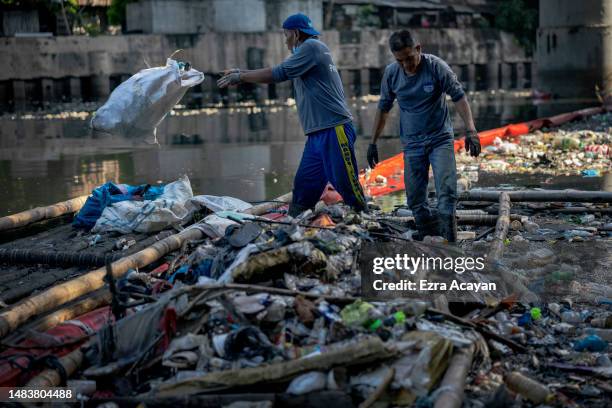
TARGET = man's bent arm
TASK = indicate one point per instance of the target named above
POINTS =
(379, 124)
(463, 107)
(257, 76)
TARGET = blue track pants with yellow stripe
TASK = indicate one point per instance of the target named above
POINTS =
(329, 156)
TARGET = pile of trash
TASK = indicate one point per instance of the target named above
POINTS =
(573, 149)
(568, 358)
(268, 309)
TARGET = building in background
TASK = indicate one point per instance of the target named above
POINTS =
(392, 14)
(88, 67)
(202, 16)
(47, 18)
(575, 41)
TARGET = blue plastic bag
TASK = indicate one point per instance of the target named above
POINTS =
(108, 194)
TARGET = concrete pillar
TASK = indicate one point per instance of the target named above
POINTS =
(520, 75)
(365, 81)
(471, 77)
(74, 84)
(232, 95)
(493, 61)
(19, 94)
(505, 75)
(585, 27)
(5, 94)
(348, 82)
(271, 92)
(46, 90)
(100, 66)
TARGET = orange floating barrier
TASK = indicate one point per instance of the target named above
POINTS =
(392, 169)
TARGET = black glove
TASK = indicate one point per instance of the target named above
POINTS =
(472, 143)
(372, 155)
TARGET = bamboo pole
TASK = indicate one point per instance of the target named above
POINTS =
(577, 196)
(41, 213)
(463, 219)
(501, 229)
(496, 251)
(51, 377)
(65, 292)
(453, 383)
(380, 390)
(95, 301)
(580, 210)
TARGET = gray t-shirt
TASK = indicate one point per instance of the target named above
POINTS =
(421, 98)
(318, 89)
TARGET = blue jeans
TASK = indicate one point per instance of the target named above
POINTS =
(439, 152)
(329, 156)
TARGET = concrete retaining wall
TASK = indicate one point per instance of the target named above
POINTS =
(574, 47)
(77, 67)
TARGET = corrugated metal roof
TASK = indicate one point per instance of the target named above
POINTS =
(95, 3)
(423, 5)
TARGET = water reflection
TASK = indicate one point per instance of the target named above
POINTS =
(251, 153)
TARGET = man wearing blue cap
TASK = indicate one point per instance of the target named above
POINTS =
(329, 154)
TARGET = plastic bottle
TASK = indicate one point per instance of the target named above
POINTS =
(590, 173)
(587, 218)
(536, 313)
(528, 388)
(602, 322)
(562, 276)
(309, 382)
(571, 317)
(604, 334)
(395, 318)
(525, 319)
(554, 308)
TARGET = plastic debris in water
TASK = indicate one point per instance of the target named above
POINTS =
(536, 313)
(591, 343)
(590, 173)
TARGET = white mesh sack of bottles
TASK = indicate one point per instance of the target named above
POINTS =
(137, 106)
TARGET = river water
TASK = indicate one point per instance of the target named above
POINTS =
(249, 152)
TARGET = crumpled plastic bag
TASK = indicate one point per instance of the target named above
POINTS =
(148, 216)
(220, 203)
(137, 106)
(184, 352)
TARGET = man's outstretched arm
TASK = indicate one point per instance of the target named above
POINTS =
(236, 76)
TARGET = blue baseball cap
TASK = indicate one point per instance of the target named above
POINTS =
(300, 22)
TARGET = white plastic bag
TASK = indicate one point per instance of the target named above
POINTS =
(219, 203)
(151, 215)
(138, 105)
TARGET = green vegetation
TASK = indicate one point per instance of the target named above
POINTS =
(367, 16)
(116, 12)
(520, 17)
